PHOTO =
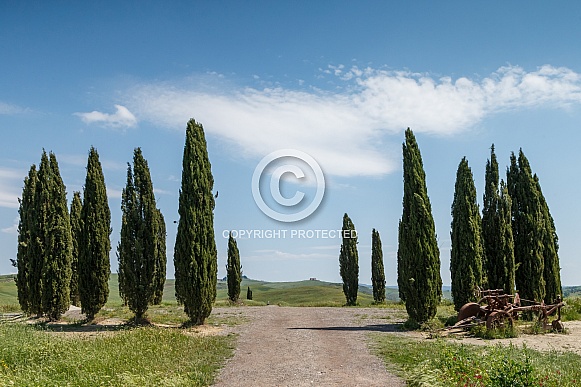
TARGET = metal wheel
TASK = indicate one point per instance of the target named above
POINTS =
(470, 309)
(498, 319)
(557, 326)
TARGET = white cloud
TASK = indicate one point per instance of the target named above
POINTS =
(344, 131)
(11, 182)
(9, 109)
(122, 118)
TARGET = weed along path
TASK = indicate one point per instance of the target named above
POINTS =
(306, 346)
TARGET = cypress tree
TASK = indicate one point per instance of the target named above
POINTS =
(56, 269)
(233, 270)
(418, 257)
(76, 207)
(25, 239)
(195, 257)
(377, 269)
(552, 270)
(506, 267)
(466, 235)
(160, 259)
(127, 248)
(249, 294)
(528, 229)
(41, 211)
(95, 245)
(138, 247)
(349, 261)
(497, 230)
(490, 220)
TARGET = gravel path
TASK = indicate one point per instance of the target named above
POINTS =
(286, 346)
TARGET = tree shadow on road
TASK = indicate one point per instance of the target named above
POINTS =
(365, 328)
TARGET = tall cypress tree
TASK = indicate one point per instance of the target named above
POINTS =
(528, 229)
(160, 259)
(127, 249)
(195, 257)
(25, 239)
(418, 257)
(138, 246)
(41, 211)
(490, 219)
(506, 267)
(76, 207)
(95, 245)
(552, 269)
(377, 269)
(56, 269)
(233, 270)
(349, 261)
(466, 235)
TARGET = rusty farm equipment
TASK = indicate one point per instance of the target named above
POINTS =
(496, 310)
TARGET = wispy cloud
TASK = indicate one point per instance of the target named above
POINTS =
(355, 121)
(113, 193)
(13, 230)
(9, 109)
(277, 255)
(122, 118)
(11, 181)
(79, 160)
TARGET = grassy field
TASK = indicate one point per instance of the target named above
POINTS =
(302, 293)
(437, 363)
(31, 356)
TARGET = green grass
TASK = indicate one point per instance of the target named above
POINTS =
(441, 363)
(30, 356)
(301, 293)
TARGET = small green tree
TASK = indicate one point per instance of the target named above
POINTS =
(233, 270)
(249, 294)
(76, 207)
(95, 245)
(377, 269)
(160, 260)
(466, 236)
(26, 227)
(195, 257)
(418, 257)
(349, 261)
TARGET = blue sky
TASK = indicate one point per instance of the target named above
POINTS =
(338, 80)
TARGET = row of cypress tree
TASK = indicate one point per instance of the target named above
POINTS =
(60, 256)
(64, 258)
(513, 244)
(349, 264)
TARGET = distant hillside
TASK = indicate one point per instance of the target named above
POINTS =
(299, 293)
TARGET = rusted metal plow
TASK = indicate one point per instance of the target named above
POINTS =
(497, 310)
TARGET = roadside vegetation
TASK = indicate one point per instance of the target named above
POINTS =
(437, 363)
(149, 356)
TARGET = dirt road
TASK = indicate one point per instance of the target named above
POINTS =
(285, 346)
